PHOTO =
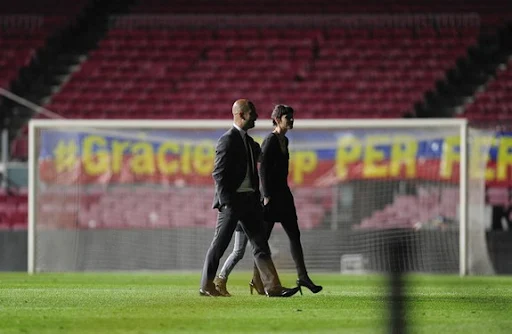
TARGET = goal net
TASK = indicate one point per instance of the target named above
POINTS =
(136, 195)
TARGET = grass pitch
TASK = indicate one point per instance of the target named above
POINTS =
(169, 303)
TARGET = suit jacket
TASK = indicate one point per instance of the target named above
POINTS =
(230, 166)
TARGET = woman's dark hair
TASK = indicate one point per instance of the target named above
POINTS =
(279, 111)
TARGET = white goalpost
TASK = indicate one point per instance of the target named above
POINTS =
(109, 195)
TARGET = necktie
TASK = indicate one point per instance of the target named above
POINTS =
(249, 156)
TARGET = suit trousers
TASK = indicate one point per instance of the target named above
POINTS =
(246, 210)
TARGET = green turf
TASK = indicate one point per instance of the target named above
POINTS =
(168, 303)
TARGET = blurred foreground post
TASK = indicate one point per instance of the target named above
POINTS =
(397, 252)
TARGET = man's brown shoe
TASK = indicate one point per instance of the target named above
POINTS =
(209, 292)
(220, 286)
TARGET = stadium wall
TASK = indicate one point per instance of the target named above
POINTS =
(99, 250)
(123, 256)
(13, 250)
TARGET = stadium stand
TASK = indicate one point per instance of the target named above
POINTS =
(161, 61)
(464, 79)
(341, 72)
(155, 73)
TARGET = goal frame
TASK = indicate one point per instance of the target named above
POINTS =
(342, 124)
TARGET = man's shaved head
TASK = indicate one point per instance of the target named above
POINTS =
(244, 113)
(241, 105)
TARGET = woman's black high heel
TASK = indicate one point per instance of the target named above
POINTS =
(259, 289)
(308, 284)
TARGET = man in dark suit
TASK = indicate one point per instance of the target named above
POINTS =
(237, 198)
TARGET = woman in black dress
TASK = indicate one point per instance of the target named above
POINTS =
(278, 200)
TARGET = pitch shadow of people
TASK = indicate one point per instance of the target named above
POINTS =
(278, 204)
(237, 198)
